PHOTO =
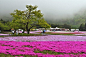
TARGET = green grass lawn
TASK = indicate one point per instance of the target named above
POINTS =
(2, 36)
(25, 34)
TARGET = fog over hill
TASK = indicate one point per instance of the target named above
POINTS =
(52, 9)
(75, 22)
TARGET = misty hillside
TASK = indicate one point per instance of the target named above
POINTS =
(6, 17)
(75, 22)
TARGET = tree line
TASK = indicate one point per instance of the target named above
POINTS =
(82, 27)
(4, 25)
(61, 26)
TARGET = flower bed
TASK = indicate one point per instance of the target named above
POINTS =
(44, 49)
(3, 34)
(44, 38)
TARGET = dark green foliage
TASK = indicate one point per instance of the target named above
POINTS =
(3, 21)
(4, 25)
(61, 26)
(85, 26)
(67, 26)
(82, 27)
(55, 25)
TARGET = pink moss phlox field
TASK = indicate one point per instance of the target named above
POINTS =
(68, 48)
(3, 34)
(44, 38)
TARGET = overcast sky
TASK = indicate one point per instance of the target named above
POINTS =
(52, 9)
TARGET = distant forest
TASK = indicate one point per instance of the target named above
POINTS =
(76, 22)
